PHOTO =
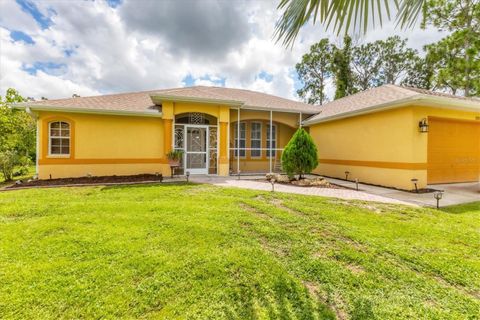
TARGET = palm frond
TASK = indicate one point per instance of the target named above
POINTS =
(341, 15)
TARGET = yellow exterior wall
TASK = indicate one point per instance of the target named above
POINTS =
(383, 148)
(104, 145)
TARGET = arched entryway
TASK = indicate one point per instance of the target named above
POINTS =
(196, 135)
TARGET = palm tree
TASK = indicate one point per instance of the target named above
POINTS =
(343, 14)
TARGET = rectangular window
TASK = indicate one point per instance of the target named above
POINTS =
(243, 139)
(59, 138)
(256, 139)
(273, 140)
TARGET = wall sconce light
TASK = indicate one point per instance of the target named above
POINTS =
(415, 181)
(438, 195)
(187, 174)
(423, 125)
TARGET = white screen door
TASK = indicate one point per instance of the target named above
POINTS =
(196, 155)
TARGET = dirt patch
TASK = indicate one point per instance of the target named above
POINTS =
(279, 204)
(355, 269)
(374, 207)
(311, 287)
(88, 180)
(254, 210)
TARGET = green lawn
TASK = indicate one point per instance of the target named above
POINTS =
(204, 252)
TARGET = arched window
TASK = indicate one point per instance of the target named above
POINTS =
(195, 118)
(59, 138)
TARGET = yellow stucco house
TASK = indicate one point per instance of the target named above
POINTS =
(386, 136)
(391, 135)
(131, 133)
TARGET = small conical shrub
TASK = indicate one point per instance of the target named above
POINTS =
(300, 154)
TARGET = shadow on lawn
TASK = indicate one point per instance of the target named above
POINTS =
(289, 300)
(463, 208)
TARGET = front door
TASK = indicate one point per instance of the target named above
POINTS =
(196, 155)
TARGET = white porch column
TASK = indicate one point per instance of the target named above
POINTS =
(270, 146)
(300, 120)
(238, 141)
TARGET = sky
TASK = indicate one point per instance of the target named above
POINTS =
(55, 49)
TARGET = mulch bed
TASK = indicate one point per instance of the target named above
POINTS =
(89, 180)
(330, 186)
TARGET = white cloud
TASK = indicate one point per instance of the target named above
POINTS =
(141, 45)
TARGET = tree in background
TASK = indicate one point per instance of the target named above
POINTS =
(314, 70)
(358, 68)
(420, 76)
(300, 154)
(17, 135)
(456, 58)
(366, 65)
(343, 75)
(396, 59)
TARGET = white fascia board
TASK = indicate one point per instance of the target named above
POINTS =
(246, 107)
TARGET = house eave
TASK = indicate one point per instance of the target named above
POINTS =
(159, 98)
(424, 100)
(87, 111)
(247, 107)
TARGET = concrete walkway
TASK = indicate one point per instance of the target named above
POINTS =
(250, 183)
(454, 193)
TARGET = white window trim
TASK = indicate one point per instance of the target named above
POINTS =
(235, 141)
(59, 155)
(274, 150)
(261, 140)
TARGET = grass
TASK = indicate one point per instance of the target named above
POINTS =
(204, 252)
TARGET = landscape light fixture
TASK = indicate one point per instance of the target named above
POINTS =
(423, 125)
(187, 174)
(415, 181)
(238, 175)
(438, 195)
(356, 183)
(272, 181)
(346, 175)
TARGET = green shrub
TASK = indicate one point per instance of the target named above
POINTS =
(300, 154)
(8, 160)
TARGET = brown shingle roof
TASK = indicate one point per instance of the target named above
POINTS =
(377, 98)
(142, 101)
(133, 102)
(247, 98)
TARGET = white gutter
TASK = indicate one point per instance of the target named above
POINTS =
(441, 102)
(145, 113)
(247, 107)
